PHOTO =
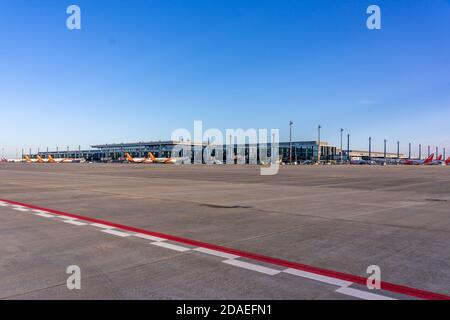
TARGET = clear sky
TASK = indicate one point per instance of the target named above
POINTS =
(138, 69)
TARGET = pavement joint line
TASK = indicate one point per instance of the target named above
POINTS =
(362, 294)
(170, 246)
(252, 267)
(387, 286)
(116, 233)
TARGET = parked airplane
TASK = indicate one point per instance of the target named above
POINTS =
(162, 160)
(130, 159)
(438, 162)
(65, 160)
(12, 160)
(410, 162)
(447, 162)
(27, 159)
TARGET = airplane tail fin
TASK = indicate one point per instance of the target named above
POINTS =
(151, 156)
(27, 158)
(439, 158)
(129, 157)
(429, 159)
(447, 162)
(50, 158)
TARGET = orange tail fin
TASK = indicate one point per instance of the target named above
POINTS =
(151, 156)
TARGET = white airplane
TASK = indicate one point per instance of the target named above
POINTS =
(27, 159)
(12, 160)
(130, 159)
(64, 160)
(162, 160)
(411, 162)
(438, 162)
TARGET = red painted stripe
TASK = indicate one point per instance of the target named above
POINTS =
(409, 291)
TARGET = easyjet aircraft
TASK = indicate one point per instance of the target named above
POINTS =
(162, 160)
(410, 162)
(64, 160)
(130, 159)
(29, 160)
(42, 160)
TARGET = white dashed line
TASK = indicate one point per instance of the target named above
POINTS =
(103, 226)
(362, 294)
(66, 218)
(148, 237)
(170, 246)
(44, 215)
(116, 233)
(21, 209)
(253, 267)
(318, 277)
(40, 211)
(75, 222)
(217, 253)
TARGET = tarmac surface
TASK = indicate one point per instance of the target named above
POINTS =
(339, 218)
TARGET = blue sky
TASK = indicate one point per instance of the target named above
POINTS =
(137, 70)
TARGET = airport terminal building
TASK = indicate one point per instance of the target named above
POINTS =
(301, 151)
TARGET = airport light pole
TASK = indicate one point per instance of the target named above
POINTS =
(429, 150)
(437, 152)
(409, 150)
(291, 123)
(370, 148)
(420, 151)
(318, 144)
(342, 151)
(385, 151)
(443, 152)
(348, 146)
(398, 149)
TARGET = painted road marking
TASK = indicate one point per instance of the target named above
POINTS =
(318, 277)
(103, 226)
(147, 237)
(3, 204)
(116, 233)
(40, 211)
(362, 294)
(45, 215)
(170, 246)
(251, 266)
(66, 218)
(21, 209)
(75, 222)
(386, 286)
(216, 253)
